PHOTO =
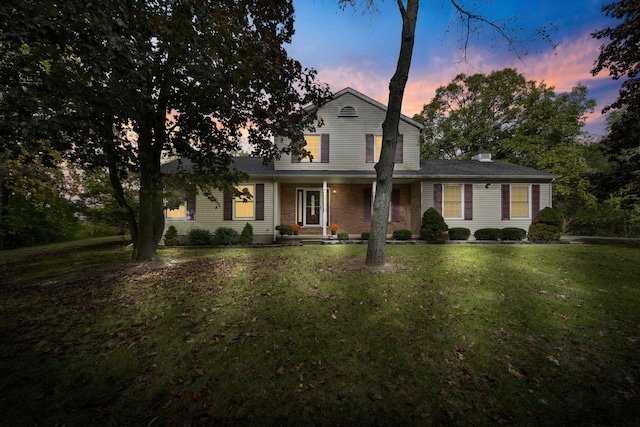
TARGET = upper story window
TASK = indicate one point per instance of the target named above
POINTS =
(348, 111)
(244, 208)
(373, 148)
(313, 147)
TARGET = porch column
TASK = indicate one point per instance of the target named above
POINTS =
(275, 208)
(325, 214)
(373, 192)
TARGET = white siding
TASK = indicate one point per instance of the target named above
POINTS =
(347, 138)
(486, 205)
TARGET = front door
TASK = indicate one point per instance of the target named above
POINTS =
(312, 207)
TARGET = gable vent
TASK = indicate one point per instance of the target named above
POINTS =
(348, 111)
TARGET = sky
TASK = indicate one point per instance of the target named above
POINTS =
(354, 49)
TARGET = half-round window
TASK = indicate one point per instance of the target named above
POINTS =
(348, 111)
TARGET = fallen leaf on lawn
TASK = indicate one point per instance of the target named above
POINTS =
(553, 359)
(513, 371)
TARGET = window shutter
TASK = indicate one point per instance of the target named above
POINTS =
(395, 205)
(366, 204)
(227, 207)
(324, 148)
(535, 203)
(468, 202)
(400, 149)
(259, 196)
(506, 201)
(437, 198)
(370, 139)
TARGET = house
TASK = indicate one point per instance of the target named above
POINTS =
(339, 184)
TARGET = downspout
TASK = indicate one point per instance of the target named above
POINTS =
(275, 207)
(325, 214)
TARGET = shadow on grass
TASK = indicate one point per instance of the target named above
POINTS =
(309, 336)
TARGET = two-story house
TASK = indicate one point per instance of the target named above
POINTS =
(339, 184)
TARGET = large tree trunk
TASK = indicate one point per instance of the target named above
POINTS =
(376, 248)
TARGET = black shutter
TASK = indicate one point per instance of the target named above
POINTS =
(227, 207)
(437, 198)
(468, 201)
(370, 153)
(366, 204)
(395, 205)
(400, 149)
(535, 203)
(259, 196)
(506, 201)
(324, 148)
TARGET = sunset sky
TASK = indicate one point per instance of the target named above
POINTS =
(349, 48)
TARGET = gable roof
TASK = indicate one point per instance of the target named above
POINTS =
(429, 169)
(371, 101)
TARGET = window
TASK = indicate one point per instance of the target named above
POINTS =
(243, 208)
(377, 148)
(373, 148)
(313, 147)
(186, 211)
(452, 201)
(519, 201)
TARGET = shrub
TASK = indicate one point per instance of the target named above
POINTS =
(512, 233)
(171, 236)
(402, 235)
(365, 235)
(285, 229)
(225, 236)
(546, 226)
(199, 237)
(459, 233)
(433, 227)
(246, 237)
(487, 234)
(343, 235)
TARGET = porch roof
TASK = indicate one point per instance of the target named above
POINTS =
(429, 170)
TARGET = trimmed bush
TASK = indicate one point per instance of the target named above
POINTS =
(365, 235)
(402, 235)
(225, 236)
(546, 226)
(285, 229)
(171, 236)
(433, 228)
(246, 237)
(512, 233)
(199, 237)
(459, 233)
(343, 235)
(487, 234)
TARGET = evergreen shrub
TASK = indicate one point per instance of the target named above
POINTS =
(225, 236)
(171, 236)
(546, 226)
(512, 233)
(487, 234)
(285, 229)
(459, 233)
(199, 237)
(402, 235)
(246, 237)
(365, 235)
(433, 228)
(343, 235)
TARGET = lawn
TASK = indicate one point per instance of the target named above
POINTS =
(443, 335)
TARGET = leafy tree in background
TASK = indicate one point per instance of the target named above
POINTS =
(621, 57)
(118, 85)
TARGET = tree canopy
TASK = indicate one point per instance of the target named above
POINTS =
(123, 84)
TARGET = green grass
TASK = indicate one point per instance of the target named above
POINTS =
(446, 334)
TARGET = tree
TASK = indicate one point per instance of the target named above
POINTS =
(135, 81)
(621, 57)
(519, 121)
(376, 247)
